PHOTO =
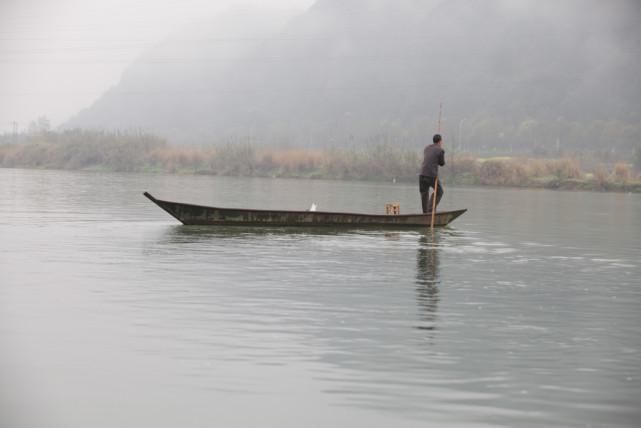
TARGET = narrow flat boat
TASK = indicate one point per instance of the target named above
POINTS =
(190, 214)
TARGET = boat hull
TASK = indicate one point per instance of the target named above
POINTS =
(190, 214)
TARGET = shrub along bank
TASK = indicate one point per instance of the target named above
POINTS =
(141, 152)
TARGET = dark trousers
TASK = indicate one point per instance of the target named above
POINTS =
(424, 184)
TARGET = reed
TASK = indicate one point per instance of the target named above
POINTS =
(600, 177)
(130, 152)
(622, 173)
(295, 161)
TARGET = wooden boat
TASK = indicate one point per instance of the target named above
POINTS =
(190, 214)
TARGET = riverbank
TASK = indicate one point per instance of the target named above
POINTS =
(83, 150)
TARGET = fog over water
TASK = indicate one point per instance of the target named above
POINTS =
(525, 311)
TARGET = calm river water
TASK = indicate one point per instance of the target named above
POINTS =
(526, 311)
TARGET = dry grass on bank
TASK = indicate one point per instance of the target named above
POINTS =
(76, 150)
(534, 172)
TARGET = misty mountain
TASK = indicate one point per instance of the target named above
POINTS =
(352, 69)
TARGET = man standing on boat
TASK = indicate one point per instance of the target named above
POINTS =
(433, 157)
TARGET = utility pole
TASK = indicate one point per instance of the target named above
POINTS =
(558, 134)
(14, 129)
(460, 134)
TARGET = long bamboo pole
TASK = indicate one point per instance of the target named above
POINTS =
(434, 202)
(440, 112)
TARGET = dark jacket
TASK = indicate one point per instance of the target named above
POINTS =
(433, 156)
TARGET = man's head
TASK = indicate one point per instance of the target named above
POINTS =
(437, 139)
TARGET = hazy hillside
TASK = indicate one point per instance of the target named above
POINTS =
(349, 70)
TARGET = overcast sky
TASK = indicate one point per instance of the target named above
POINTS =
(58, 56)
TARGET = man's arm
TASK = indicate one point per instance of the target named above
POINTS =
(441, 158)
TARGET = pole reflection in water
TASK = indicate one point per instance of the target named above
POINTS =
(428, 279)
